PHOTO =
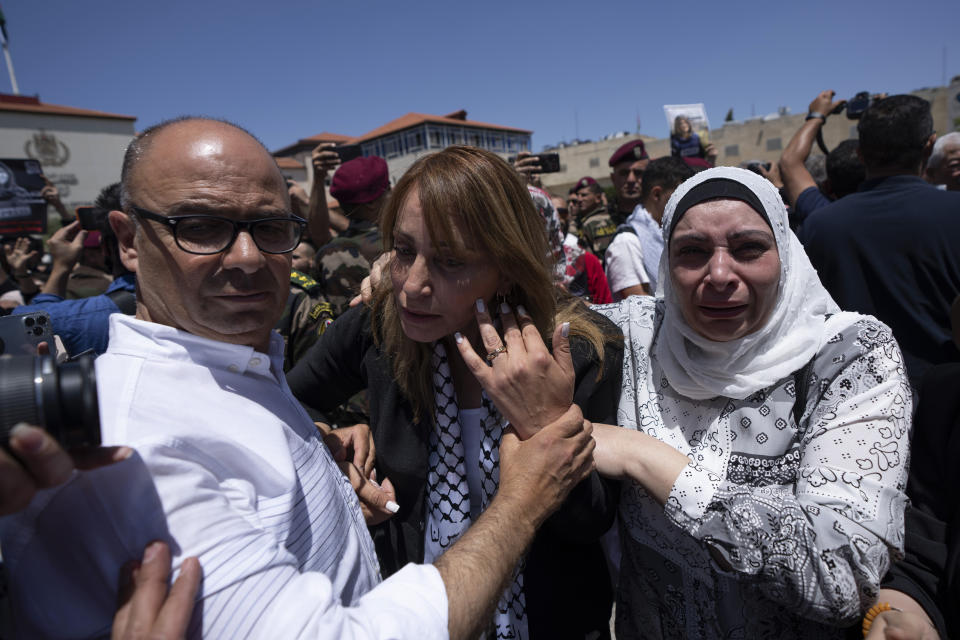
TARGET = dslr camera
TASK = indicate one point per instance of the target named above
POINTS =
(61, 398)
(856, 105)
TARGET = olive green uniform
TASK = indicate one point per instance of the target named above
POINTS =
(596, 230)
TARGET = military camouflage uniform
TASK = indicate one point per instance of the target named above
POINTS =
(306, 316)
(596, 231)
(618, 217)
(342, 267)
(308, 313)
(367, 235)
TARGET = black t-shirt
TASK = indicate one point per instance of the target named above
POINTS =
(892, 250)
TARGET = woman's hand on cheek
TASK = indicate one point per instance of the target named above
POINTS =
(530, 386)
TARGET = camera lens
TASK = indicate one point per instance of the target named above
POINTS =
(62, 399)
(28, 321)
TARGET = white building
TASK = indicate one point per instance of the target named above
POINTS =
(80, 150)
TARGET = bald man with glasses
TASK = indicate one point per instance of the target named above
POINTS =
(227, 467)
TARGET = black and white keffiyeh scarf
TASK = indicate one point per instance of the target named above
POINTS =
(448, 494)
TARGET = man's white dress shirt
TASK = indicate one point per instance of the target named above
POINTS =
(634, 259)
(228, 468)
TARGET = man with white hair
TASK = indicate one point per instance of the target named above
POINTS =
(944, 164)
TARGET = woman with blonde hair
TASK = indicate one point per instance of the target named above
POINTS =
(466, 240)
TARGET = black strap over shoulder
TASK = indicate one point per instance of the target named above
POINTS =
(125, 300)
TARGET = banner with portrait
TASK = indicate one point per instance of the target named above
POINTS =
(22, 208)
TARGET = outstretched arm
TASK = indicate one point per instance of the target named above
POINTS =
(793, 172)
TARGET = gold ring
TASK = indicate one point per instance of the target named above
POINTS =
(501, 349)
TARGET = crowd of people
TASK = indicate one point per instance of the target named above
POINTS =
(711, 402)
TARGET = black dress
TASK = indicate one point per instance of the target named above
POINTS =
(566, 583)
(930, 570)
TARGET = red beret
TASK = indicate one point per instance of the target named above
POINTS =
(360, 180)
(583, 182)
(697, 164)
(631, 151)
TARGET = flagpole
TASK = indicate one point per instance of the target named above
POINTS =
(13, 76)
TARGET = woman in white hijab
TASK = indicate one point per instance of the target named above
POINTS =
(764, 438)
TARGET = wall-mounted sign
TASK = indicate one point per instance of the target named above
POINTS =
(47, 149)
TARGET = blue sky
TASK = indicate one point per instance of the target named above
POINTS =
(287, 70)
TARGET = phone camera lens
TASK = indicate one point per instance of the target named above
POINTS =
(28, 322)
(42, 320)
(38, 331)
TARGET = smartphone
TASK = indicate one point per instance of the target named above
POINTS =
(348, 152)
(549, 162)
(91, 218)
(20, 335)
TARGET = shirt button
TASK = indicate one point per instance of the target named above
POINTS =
(254, 362)
(233, 368)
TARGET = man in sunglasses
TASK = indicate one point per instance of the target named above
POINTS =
(227, 466)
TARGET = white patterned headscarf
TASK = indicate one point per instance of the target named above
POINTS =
(701, 368)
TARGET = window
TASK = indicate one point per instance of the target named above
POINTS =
(594, 162)
(496, 141)
(435, 136)
(391, 148)
(773, 144)
(731, 150)
(514, 144)
(369, 150)
(414, 141)
(455, 136)
(473, 138)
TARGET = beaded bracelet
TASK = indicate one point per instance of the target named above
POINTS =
(872, 613)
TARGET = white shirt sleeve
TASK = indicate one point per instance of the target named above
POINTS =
(72, 541)
(624, 259)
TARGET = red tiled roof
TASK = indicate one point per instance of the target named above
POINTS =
(313, 141)
(413, 119)
(326, 136)
(289, 163)
(32, 104)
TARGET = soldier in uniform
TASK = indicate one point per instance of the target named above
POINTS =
(595, 226)
(627, 165)
(306, 316)
(361, 186)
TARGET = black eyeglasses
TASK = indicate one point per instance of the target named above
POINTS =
(206, 235)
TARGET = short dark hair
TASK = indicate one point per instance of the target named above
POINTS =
(667, 172)
(893, 132)
(845, 170)
(139, 146)
(109, 198)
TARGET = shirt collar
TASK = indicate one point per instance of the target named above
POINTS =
(641, 219)
(150, 340)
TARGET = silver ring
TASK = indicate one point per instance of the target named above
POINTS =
(501, 349)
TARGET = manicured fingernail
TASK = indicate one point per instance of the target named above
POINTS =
(29, 438)
(151, 551)
(458, 337)
(481, 308)
(504, 308)
(522, 310)
(373, 482)
(565, 329)
(392, 506)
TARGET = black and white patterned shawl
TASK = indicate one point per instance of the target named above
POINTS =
(448, 494)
